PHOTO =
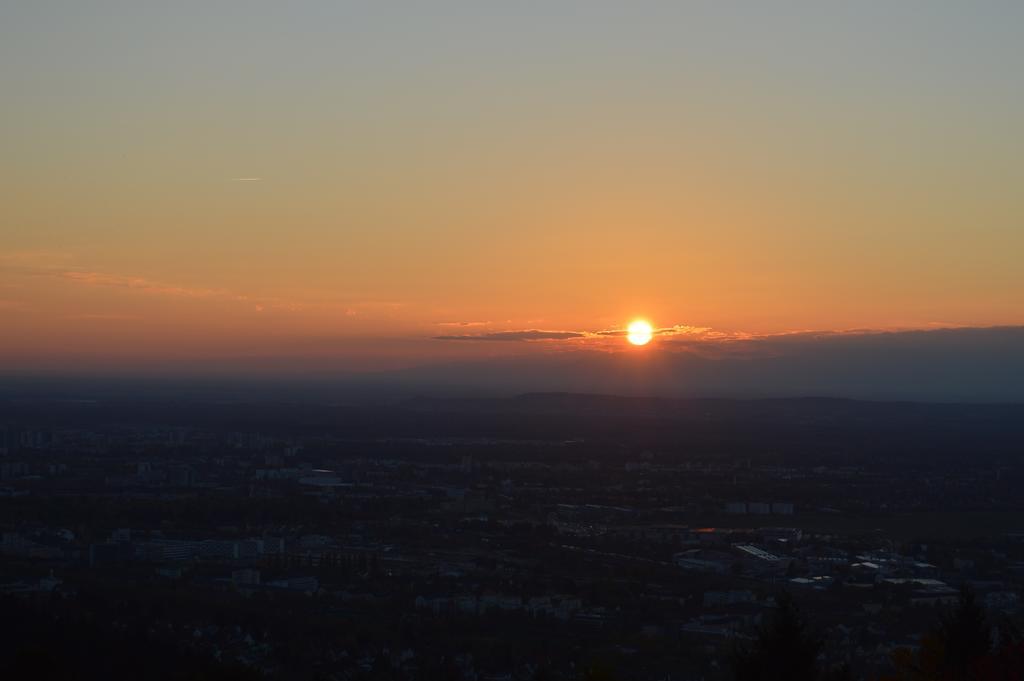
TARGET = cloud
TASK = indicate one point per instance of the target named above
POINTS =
(54, 266)
(691, 333)
(976, 364)
(146, 285)
(527, 335)
(683, 330)
(677, 330)
(104, 317)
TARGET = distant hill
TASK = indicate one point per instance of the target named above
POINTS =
(824, 428)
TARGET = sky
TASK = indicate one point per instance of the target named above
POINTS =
(370, 186)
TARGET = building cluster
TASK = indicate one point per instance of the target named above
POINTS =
(427, 549)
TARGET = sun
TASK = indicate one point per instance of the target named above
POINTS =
(639, 332)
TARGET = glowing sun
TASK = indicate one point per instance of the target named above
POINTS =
(639, 332)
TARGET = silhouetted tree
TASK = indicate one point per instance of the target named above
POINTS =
(965, 636)
(958, 649)
(1006, 661)
(785, 649)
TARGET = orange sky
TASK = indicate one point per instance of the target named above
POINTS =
(348, 183)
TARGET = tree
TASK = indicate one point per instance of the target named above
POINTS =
(785, 648)
(965, 636)
(958, 649)
(1006, 661)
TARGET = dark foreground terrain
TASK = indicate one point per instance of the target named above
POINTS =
(215, 532)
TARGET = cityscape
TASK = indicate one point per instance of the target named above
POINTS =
(609, 538)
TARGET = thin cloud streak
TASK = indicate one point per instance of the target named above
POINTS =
(513, 336)
(147, 285)
(104, 317)
(51, 266)
(567, 335)
(677, 330)
(55, 266)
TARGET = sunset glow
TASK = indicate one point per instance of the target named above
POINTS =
(639, 332)
(175, 191)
